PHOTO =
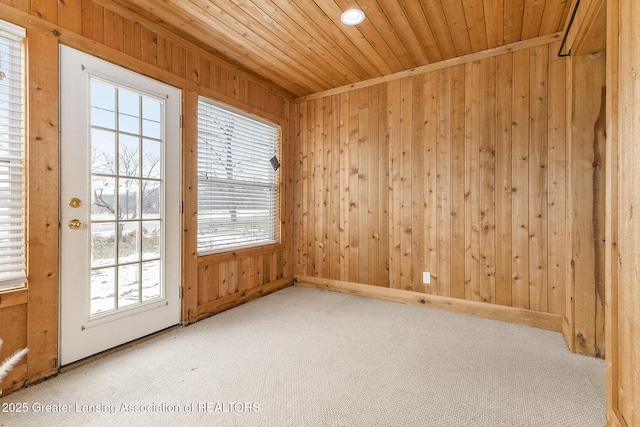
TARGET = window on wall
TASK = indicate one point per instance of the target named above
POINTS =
(12, 146)
(238, 179)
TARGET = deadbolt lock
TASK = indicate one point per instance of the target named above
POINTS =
(75, 202)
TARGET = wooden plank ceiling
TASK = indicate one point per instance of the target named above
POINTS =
(303, 47)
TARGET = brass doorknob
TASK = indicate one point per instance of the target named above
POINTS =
(75, 224)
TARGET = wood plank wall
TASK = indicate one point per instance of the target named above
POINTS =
(29, 317)
(587, 136)
(623, 198)
(584, 326)
(460, 172)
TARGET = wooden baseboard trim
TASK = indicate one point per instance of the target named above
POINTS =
(549, 321)
(234, 300)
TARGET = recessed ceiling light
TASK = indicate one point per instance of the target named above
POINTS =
(352, 17)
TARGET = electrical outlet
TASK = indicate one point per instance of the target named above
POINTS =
(426, 277)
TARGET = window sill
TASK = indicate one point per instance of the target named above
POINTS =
(239, 254)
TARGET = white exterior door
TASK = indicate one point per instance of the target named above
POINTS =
(120, 195)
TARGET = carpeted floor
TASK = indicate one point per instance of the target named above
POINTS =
(305, 357)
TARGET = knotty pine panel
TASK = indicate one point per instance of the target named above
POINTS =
(239, 276)
(473, 110)
(504, 153)
(623, 198)
(13, 332)
(520, 115)
(556, 185)
(587, 193)
(460, 172)
(93, 21)
(42, 201)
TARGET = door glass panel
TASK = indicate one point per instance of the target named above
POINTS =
(103, 244)
(151, 165)
(103, 104)
(129, 242)
(103, 151)
(126, 196)
(128, 111)
(151, 274)
(103, 198)
(103, 290)
(150, 199)
(151, 240)
(129, 198)
(129, 155)
(128, 284)
(150, 112)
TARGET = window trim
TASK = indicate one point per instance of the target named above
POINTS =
(256, 248)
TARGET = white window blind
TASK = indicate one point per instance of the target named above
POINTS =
(12, 143)
(238, 191)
